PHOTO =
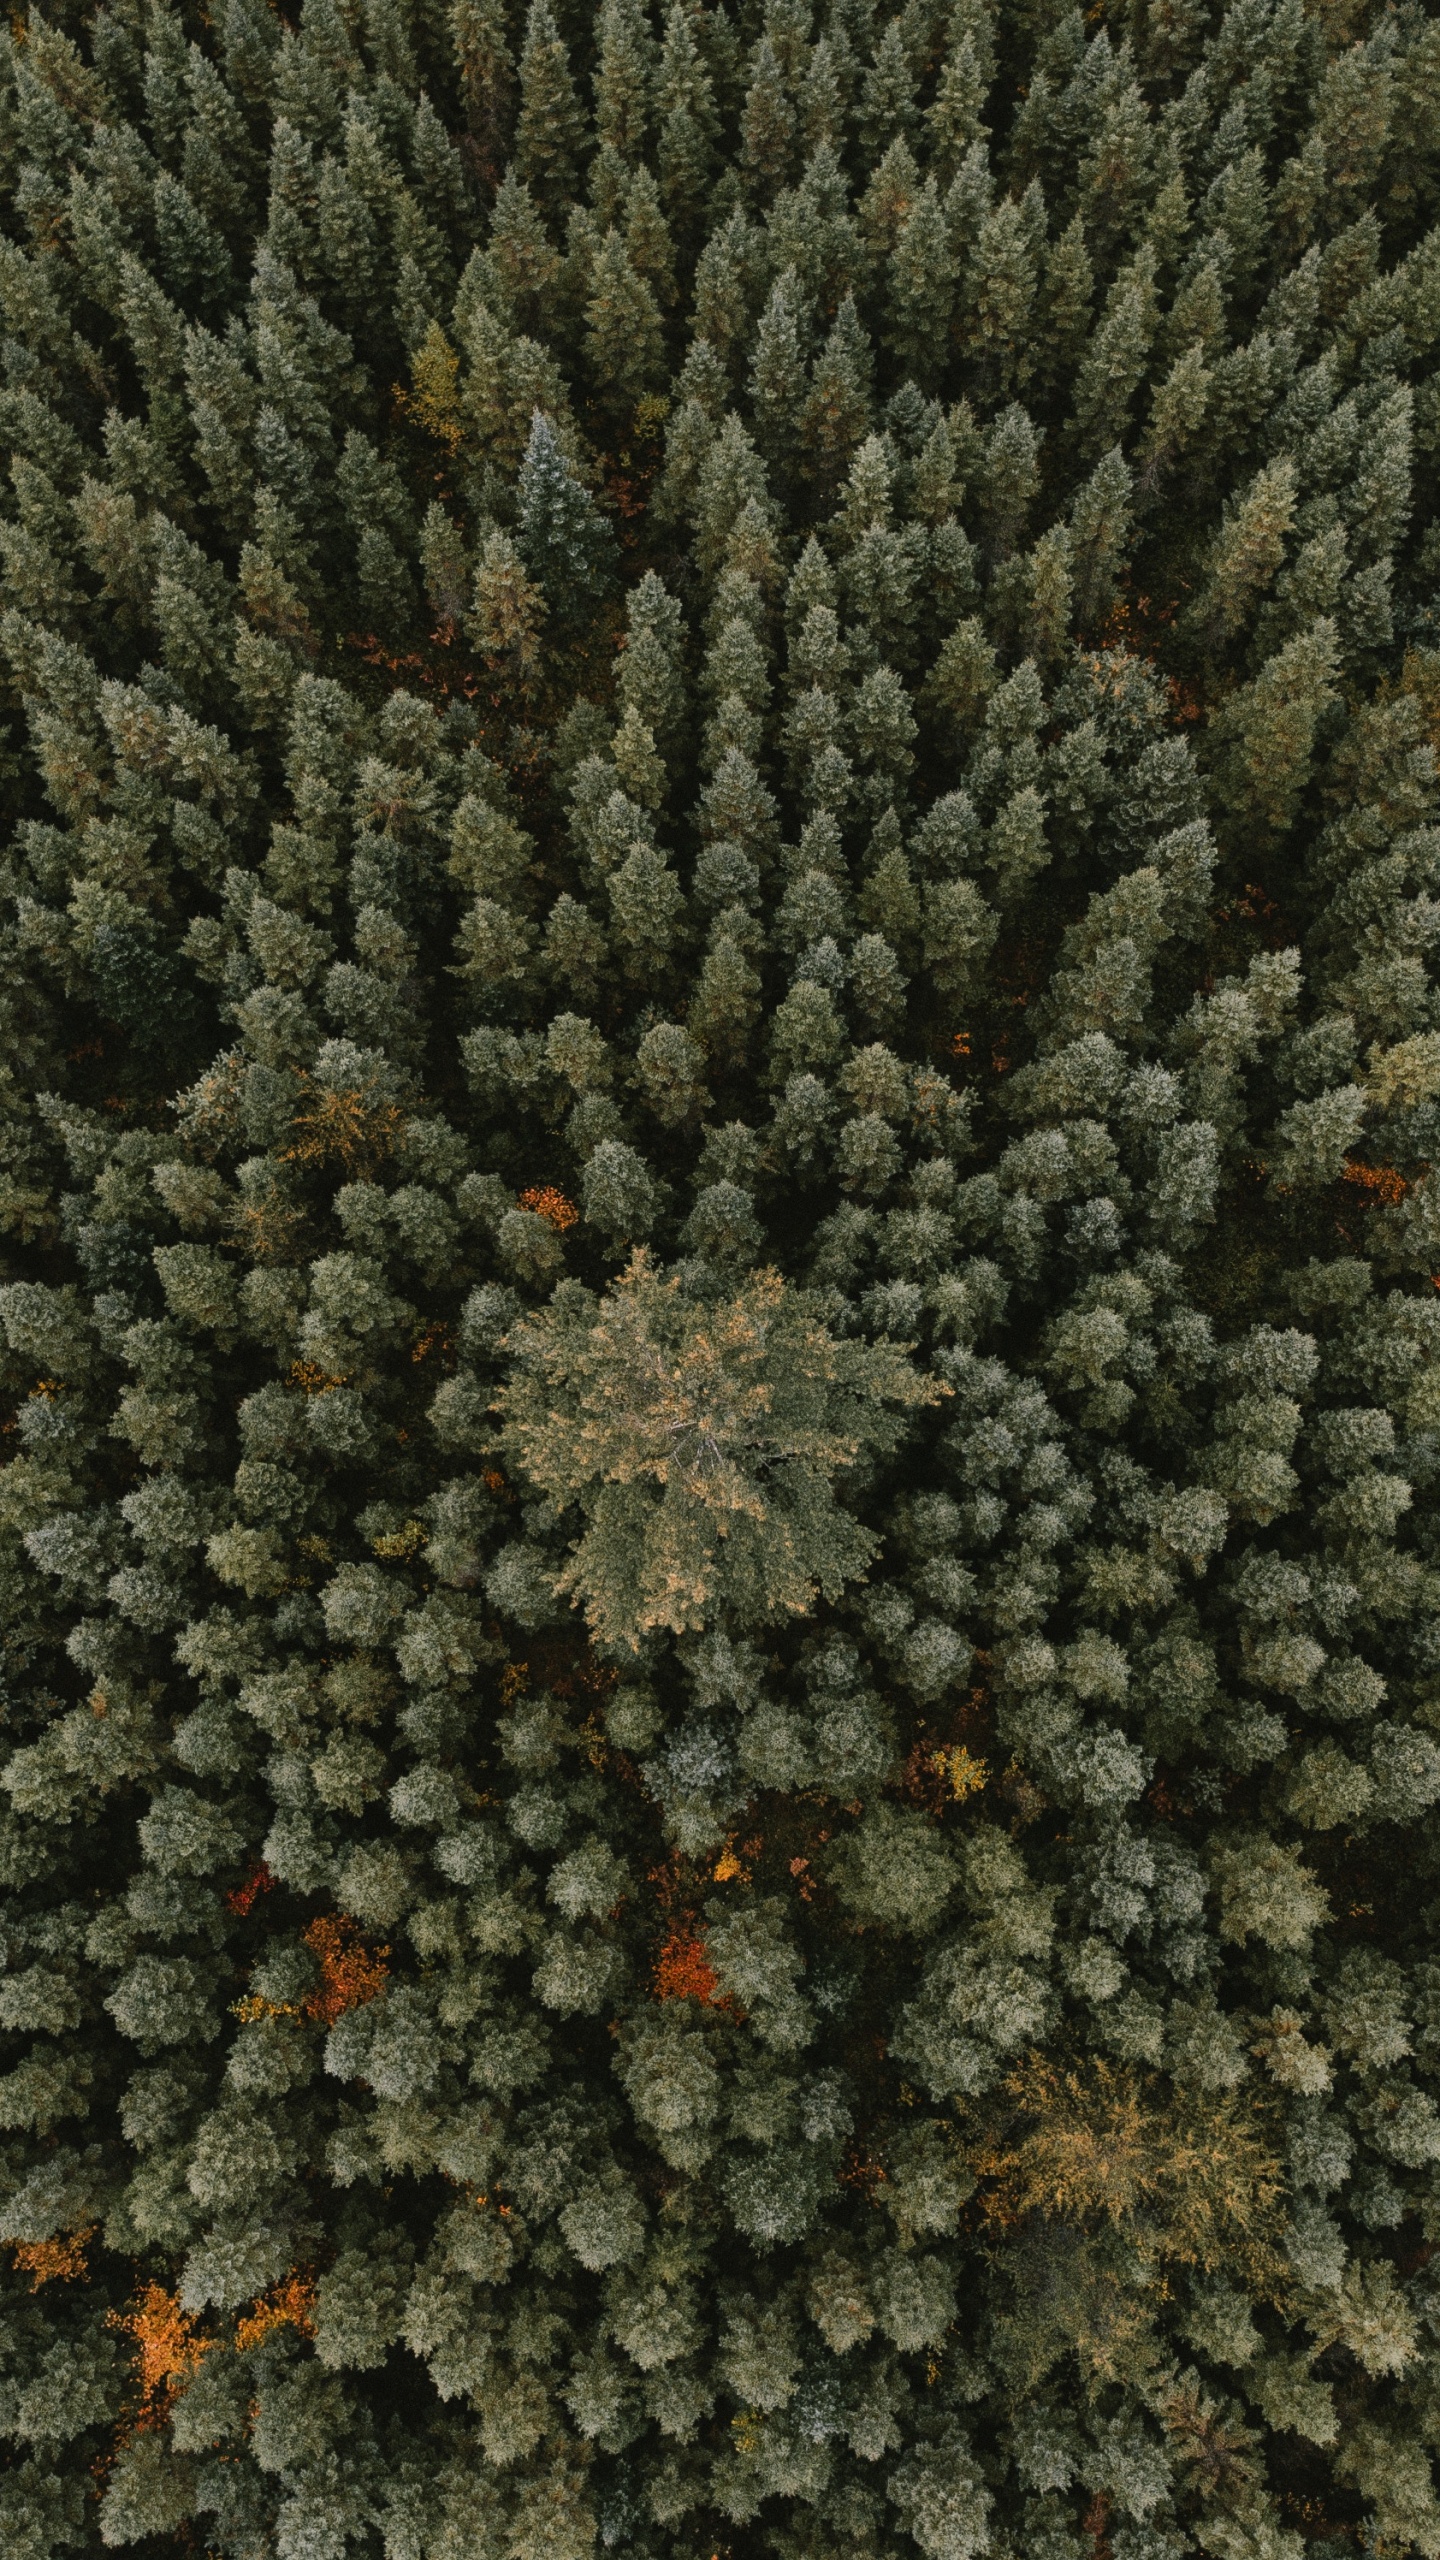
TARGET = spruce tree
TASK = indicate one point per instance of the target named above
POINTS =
(566, 544)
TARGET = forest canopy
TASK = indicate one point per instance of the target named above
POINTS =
(720, 1280)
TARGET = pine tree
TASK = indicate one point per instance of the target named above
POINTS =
(665, 1560)
(835, 412)
(777, 371)
(887, 99)
(955, 115)
(624, 342)
(649, 244)
(1247, 553)
(486, 66)
(508, 612)
(685, 109)
(821, 101)
(1064, 316)
(550, 124)
(1114, 359)
(521, 268)
(921, 289)
(1098, 523)
(564, 541)
(1266, 736)
(624, 77)
(767, 125)
(999, 291)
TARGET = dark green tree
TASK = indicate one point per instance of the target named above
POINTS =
(564, 541)
(550, 124)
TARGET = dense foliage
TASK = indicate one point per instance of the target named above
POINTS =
(721, 1311)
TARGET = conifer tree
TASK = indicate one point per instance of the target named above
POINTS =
(486, 67)
(623, 79)
(550, 124)
(623, 336)
(564, 541)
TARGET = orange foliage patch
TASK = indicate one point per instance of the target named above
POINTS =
(441, 681)
(1381, 1181)
(1132, 625)
(628, 499)
(52, 2261)
(312, 1380)
(167, 2350)
(289, 2305)
(245, 1896)
(667, 1880)
(355, 1127)
(350, 1972)
(683, 1971)
(551, 1205)
(863, 2170)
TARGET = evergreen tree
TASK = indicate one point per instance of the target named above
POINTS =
(564, 541)
(664, 1421)
(550, 125)
(1114, 359)
(955, 115)
(686, 114)
(624, 343)
(887, 97)
(767, 125)
(1000, 289)
(486, 67)
(623, 79)
(921, 288)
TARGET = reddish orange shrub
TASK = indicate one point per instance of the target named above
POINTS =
(551, 1205)
(245, 1896)
(1381, 1180)
(350, 1972)
(683, 1971)
(288, 2305)
(53, 2261)
(168, 2350)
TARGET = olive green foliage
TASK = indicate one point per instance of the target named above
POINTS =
(720, 1313)
(698, 1440)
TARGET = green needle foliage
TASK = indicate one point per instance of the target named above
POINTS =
(720, 1215)
(698, 1441)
